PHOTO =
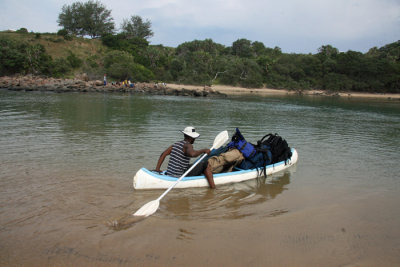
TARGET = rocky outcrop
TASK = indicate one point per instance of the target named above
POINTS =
(82, 84)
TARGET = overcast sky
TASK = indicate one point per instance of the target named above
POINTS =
(296, 26)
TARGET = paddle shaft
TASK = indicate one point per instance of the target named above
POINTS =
(183, 176)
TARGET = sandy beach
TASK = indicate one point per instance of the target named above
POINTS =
(232, 90)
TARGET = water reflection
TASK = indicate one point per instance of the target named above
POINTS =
(233, 201)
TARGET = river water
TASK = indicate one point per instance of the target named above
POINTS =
(66, 195)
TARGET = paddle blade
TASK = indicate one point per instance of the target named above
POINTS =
(220, 139)
(148, 209)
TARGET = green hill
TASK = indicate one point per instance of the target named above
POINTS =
(245, 63)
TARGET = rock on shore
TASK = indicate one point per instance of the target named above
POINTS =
(35, 83)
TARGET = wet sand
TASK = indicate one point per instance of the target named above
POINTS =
(359, 232)
(94, 227)
(337, 235)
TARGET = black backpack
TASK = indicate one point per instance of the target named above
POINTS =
(278, 146)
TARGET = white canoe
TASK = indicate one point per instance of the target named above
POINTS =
(145, 179)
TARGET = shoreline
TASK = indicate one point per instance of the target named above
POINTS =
(82, 84)
(232, 90)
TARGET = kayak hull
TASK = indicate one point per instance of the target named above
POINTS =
(146, 179)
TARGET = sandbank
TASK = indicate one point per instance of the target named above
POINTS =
(233, 90)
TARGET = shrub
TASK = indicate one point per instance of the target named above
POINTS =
(60, 67)
(22, 30)
(74, 61)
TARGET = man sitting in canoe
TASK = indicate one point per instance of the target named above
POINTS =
(180, 154)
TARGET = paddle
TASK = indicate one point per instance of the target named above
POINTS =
(152, 206)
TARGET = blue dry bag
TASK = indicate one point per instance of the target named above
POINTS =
(242, 145)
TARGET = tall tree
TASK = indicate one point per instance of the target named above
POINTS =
(242, 48)
(135, 27)
(89, 18)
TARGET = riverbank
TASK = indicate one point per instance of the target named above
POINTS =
(82, 84)
(231, 90)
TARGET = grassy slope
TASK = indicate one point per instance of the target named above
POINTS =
(57, 47)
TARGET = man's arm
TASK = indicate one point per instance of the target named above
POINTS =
(190, 152)
(162, 158)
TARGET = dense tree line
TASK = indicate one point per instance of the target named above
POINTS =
(244, 63)
(251, 64)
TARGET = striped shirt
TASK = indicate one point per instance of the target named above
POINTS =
(178, 162)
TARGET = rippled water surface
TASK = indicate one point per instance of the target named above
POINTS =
(67, 162)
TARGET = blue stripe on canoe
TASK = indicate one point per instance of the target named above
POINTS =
(188, 178)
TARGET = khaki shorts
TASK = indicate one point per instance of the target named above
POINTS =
(225, 162)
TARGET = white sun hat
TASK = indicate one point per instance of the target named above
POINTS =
(190, 131)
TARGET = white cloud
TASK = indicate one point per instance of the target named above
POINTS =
(326, 21)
